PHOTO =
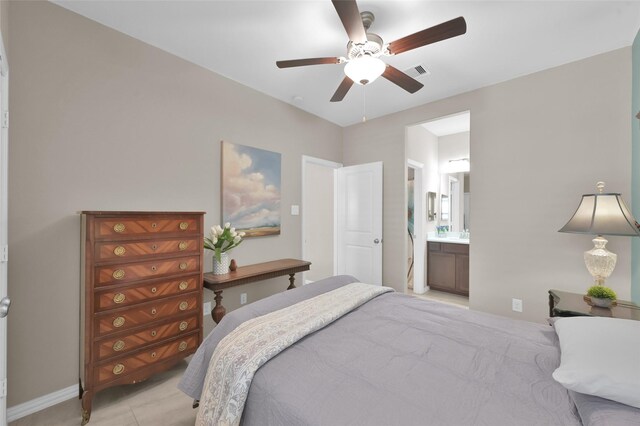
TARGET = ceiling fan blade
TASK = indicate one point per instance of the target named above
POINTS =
(304, 62)
(342, 89)
(351, 20)
(452, 28)
(396, 76)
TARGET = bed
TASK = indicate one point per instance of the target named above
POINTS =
(400, 360)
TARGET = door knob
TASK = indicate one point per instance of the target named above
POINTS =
(376, 241)
(4, 307)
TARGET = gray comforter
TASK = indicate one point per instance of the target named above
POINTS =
(399, 360)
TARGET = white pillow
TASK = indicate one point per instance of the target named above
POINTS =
(600, 356)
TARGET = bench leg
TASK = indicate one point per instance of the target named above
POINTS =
(291, 281)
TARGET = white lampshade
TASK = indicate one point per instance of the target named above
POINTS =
(365, 69)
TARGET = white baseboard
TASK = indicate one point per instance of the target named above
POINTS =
(21, 410)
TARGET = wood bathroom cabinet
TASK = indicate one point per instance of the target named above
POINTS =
(448, 267)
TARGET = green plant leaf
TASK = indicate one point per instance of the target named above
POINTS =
(601, 292)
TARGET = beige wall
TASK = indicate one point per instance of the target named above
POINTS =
(538, 143)
(101, 121)
(4, 22)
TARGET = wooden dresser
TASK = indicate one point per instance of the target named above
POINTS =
(141, 296)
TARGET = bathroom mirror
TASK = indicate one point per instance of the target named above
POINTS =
(431, 206)
(444, 207)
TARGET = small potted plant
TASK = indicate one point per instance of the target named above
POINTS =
(601, 296)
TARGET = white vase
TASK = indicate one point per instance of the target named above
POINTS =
(221, 267)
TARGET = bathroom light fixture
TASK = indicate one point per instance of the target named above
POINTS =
(602, 214)
(364, 69)
(458, 166)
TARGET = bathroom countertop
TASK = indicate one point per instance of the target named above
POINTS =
(453, 240)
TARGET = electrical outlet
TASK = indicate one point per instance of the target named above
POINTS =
(516, 305)
(206, 309)
(243, 298)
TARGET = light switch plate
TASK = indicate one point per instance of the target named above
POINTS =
(295, 210)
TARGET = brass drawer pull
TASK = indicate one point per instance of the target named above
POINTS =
(154, 311)
(154, 290)
(154, 247)
(183, 306)
(154, 225)
(154, 268)
(153, 354)
(154, 333)
(118, 346)
(183, 245)
(119, 227)
(183, 266)
(183, 346)
(183, 325)
(119, 298)
(118, 322)
(184, 225)
(118, 274)
(119, 251)
(183, 285)
(118, 369)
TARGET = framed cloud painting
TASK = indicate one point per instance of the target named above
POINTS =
(251, 189)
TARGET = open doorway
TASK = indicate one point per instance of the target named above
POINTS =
(318, 217)
(342, 220)
(441, 247)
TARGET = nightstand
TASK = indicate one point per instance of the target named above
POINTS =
(565, 304)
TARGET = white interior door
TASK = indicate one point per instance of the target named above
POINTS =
(4, 300)
(359, 222)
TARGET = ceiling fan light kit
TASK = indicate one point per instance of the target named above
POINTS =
(363, 63)
(365, 69)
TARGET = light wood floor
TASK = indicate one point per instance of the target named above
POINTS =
(154, 402)
(441, 296)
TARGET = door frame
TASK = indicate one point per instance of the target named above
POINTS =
(307, 159)
(4, 215)
(454, 202)
(419, 240)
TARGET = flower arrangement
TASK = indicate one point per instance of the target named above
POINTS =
(221, 240)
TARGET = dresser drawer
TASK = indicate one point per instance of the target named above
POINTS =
(123, 344)
(136, 293)
(108, 322)
(120, 367)
(122, 273)
(145, 248)
(149, 226)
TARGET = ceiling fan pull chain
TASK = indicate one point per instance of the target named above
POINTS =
(364, 103)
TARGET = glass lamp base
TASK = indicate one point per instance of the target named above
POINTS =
(600, 261)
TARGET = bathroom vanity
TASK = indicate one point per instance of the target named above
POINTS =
(448, 265)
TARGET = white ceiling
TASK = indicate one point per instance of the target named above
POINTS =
(450, 125)
(243, 39)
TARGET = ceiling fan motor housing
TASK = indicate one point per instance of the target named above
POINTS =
(372, 47)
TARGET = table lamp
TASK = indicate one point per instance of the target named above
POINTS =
(602, 214)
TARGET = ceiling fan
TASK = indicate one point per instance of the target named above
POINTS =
(363, 63)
